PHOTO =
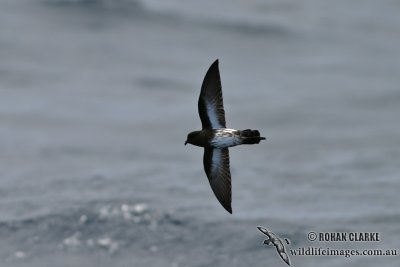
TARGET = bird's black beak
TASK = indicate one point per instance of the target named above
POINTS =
(186, 142)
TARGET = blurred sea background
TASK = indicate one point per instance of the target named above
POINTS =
(97, 97)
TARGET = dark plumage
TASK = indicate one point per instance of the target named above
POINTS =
(216, 138)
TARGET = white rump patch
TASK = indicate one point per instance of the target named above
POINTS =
(225, 138)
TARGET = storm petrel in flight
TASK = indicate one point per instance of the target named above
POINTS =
(274, 240)
(216, 138)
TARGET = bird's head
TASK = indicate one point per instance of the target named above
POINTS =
(192, 137)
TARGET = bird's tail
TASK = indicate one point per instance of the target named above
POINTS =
(250, 136)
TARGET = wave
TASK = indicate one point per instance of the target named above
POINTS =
(92, 3)
(89, 223)
(113, 228)
(175, 16)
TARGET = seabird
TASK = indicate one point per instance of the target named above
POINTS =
(216, 138)
(274, 240)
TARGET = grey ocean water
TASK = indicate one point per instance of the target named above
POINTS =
(96, 99)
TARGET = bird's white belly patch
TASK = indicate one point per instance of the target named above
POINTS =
(225, 138)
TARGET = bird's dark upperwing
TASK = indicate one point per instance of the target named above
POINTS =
(216, 166)
(211, 107)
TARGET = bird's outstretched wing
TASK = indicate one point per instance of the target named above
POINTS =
(277, 242)
(211, 107)
(216, 166)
